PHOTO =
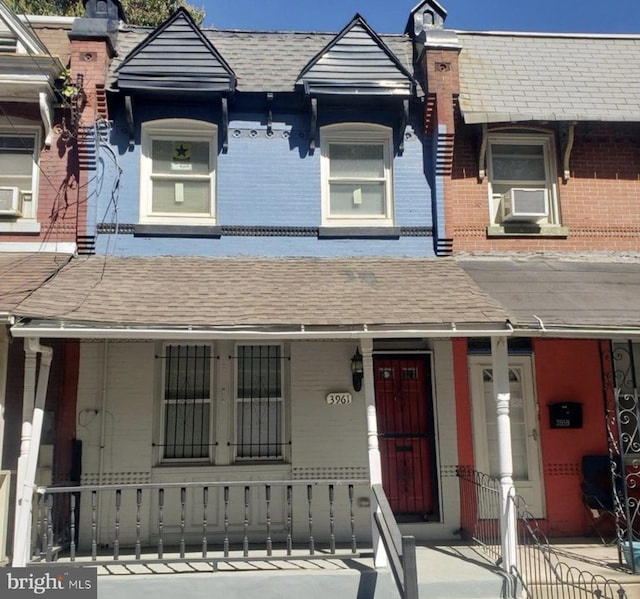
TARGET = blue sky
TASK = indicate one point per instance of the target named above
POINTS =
(390, 16)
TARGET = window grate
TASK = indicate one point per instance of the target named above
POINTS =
(259, 402)
(187, 402)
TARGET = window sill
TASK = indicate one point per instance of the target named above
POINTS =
(359, 232)
(189, 231)
(165, 472)
(527, 230)
(20, 226)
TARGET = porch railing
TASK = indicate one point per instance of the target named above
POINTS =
(401, 550)
(197, 522)
(540, 570)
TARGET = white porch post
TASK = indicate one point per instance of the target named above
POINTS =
(508, 520)
(30, 445)
(373, 447)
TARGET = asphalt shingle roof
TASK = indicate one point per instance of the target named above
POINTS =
(579, 292)
(22, 273)
(182, 291)
(263, 61)
(512, 77)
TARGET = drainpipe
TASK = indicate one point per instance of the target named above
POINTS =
(508, 519)
(103, 428)
(373, 447)
(33, 417)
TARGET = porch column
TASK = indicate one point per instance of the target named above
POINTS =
(508, 520)
(373, 447)
(30, 445)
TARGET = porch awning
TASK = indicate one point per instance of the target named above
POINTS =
(208, 297)
(593, 296)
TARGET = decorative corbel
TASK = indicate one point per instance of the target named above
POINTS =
(269, 114)
(404, 119)
(567, 132)
(482, 168)
(225, 124)
(128, 107)
(46, 113)
(312, 125)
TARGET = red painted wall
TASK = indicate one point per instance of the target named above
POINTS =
(564, 370)
(568, 370)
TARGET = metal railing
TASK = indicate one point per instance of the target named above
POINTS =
(197, 522)
(541, 572)
(401, 550)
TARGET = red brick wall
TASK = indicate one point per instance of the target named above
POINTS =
(58, 183)
(600, 203)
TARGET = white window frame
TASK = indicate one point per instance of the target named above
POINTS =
(209, 458)
(237, 400)
(27, 207)
(357, 133)
(550, 183)
(184, 130)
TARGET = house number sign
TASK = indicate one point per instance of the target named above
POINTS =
(339, 399)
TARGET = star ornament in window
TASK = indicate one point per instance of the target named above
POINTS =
(181, 151)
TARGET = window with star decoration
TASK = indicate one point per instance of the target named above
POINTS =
(178, 172)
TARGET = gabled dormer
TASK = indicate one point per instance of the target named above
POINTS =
(356, 61)
(353, 68)
(176, 59)
(27, 70)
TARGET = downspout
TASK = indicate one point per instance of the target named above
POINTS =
(103, 427)
(30, 445)
(502, 393)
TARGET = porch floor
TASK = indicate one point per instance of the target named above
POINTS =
(451, 570)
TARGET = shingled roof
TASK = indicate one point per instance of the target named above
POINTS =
(525, 77)
(22, 273)
(263, 60)
(183, 291)
(562, 291)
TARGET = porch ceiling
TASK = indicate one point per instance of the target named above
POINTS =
(579, 291)
(242, 292)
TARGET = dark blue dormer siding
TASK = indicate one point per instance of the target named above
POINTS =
(268, 188)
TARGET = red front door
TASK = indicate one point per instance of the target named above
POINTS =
(405, 428)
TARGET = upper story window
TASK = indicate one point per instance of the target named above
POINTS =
(522, 179)
(18, 173)
(356, 164)
(177, 175)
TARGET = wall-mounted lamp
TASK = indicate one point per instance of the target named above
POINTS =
(357, 370)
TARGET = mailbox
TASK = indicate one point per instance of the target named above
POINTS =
(565, 414)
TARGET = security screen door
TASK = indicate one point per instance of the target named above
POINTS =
(405, 429)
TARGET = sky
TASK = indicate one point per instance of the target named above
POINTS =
(390, 16)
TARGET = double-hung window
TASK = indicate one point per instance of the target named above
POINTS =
(18, 173)
(177, 180)
(259, 402)
(186, 403)
(522, 179)
(356, 165)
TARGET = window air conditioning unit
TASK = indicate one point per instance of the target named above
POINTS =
(10, 201)
(525, 203)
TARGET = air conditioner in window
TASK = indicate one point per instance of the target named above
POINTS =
(525, 203)
(10, 201)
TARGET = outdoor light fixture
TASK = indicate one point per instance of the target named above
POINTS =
(357, 371)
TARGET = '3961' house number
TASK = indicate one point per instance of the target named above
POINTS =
(339, 399)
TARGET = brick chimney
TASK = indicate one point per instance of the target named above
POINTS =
(436, 50)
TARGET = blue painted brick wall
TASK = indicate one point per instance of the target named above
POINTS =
(261, 181)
